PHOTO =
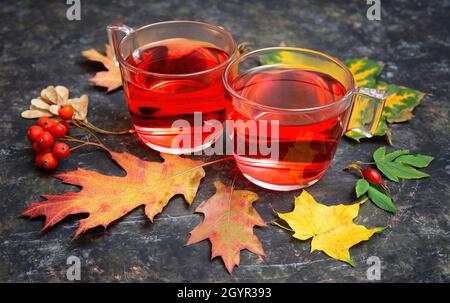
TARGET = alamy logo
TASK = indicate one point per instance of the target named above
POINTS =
(74, 11)
(73, 273)
(374, 11)
(251, 137)
(374, 271)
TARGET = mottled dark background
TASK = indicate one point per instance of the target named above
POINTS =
(39, 47)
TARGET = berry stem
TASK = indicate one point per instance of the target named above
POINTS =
(83, 143)
(89, 143)
(365, 163)
(88, 130)
(91, 126)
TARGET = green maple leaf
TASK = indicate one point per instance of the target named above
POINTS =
(400, 165)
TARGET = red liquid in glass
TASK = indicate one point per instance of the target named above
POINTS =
(307, 142)
(156, 101)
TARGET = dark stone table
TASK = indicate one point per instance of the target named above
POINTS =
(41, 47)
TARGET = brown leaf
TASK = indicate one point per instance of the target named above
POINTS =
(228, 224)
(40, 104)
(107, 198)
(80, 105)
(35, 113)
(111, 79)
(63, 94)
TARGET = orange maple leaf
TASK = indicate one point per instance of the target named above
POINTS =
(108, 198)
(111, 79)
(228, 224)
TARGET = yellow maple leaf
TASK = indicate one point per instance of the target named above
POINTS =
(331, 227)
(111, 79)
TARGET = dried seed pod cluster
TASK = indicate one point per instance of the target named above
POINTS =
(52, 99)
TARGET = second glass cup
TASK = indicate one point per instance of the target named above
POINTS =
(311, 97)
(170, 71)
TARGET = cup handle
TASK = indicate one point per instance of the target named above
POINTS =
(116, 32)
(368, 104)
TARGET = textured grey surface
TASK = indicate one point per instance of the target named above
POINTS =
(40, 47)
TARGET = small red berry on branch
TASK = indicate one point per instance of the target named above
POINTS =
(46, 161)
(58, 130)
(38, 150)
(61, 150)
(66, 112)
(45, 122)
(34, 132)
(45, 140)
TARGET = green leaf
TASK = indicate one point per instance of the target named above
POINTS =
(418, 160)
(406, 171)
(393, 169)
(381, 199)
(379, 154)
(387, 171)
(361, 187)
(395, 154)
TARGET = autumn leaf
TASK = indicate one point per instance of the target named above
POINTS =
(399, 104)
(365, 71)
(108, 198)
(228, 224)
(111, 79)
(331, 227)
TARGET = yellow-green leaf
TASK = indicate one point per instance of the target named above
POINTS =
(400, 102)
(331, 227)
(399, 105)
(365, 71)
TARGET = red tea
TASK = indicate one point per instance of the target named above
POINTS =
(156, 101)
(307, 140)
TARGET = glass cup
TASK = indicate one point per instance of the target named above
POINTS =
(309, 98)
(172, 80)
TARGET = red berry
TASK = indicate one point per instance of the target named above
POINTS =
(61, 150)
(58, 130)
(66, 112)
(46, 161)
(372, 175)
(39, 150)
(34, 132)
(45, 140)
(66, 124)
(41, 121)
(45, 122)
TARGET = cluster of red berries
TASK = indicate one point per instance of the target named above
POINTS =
(43, 137)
